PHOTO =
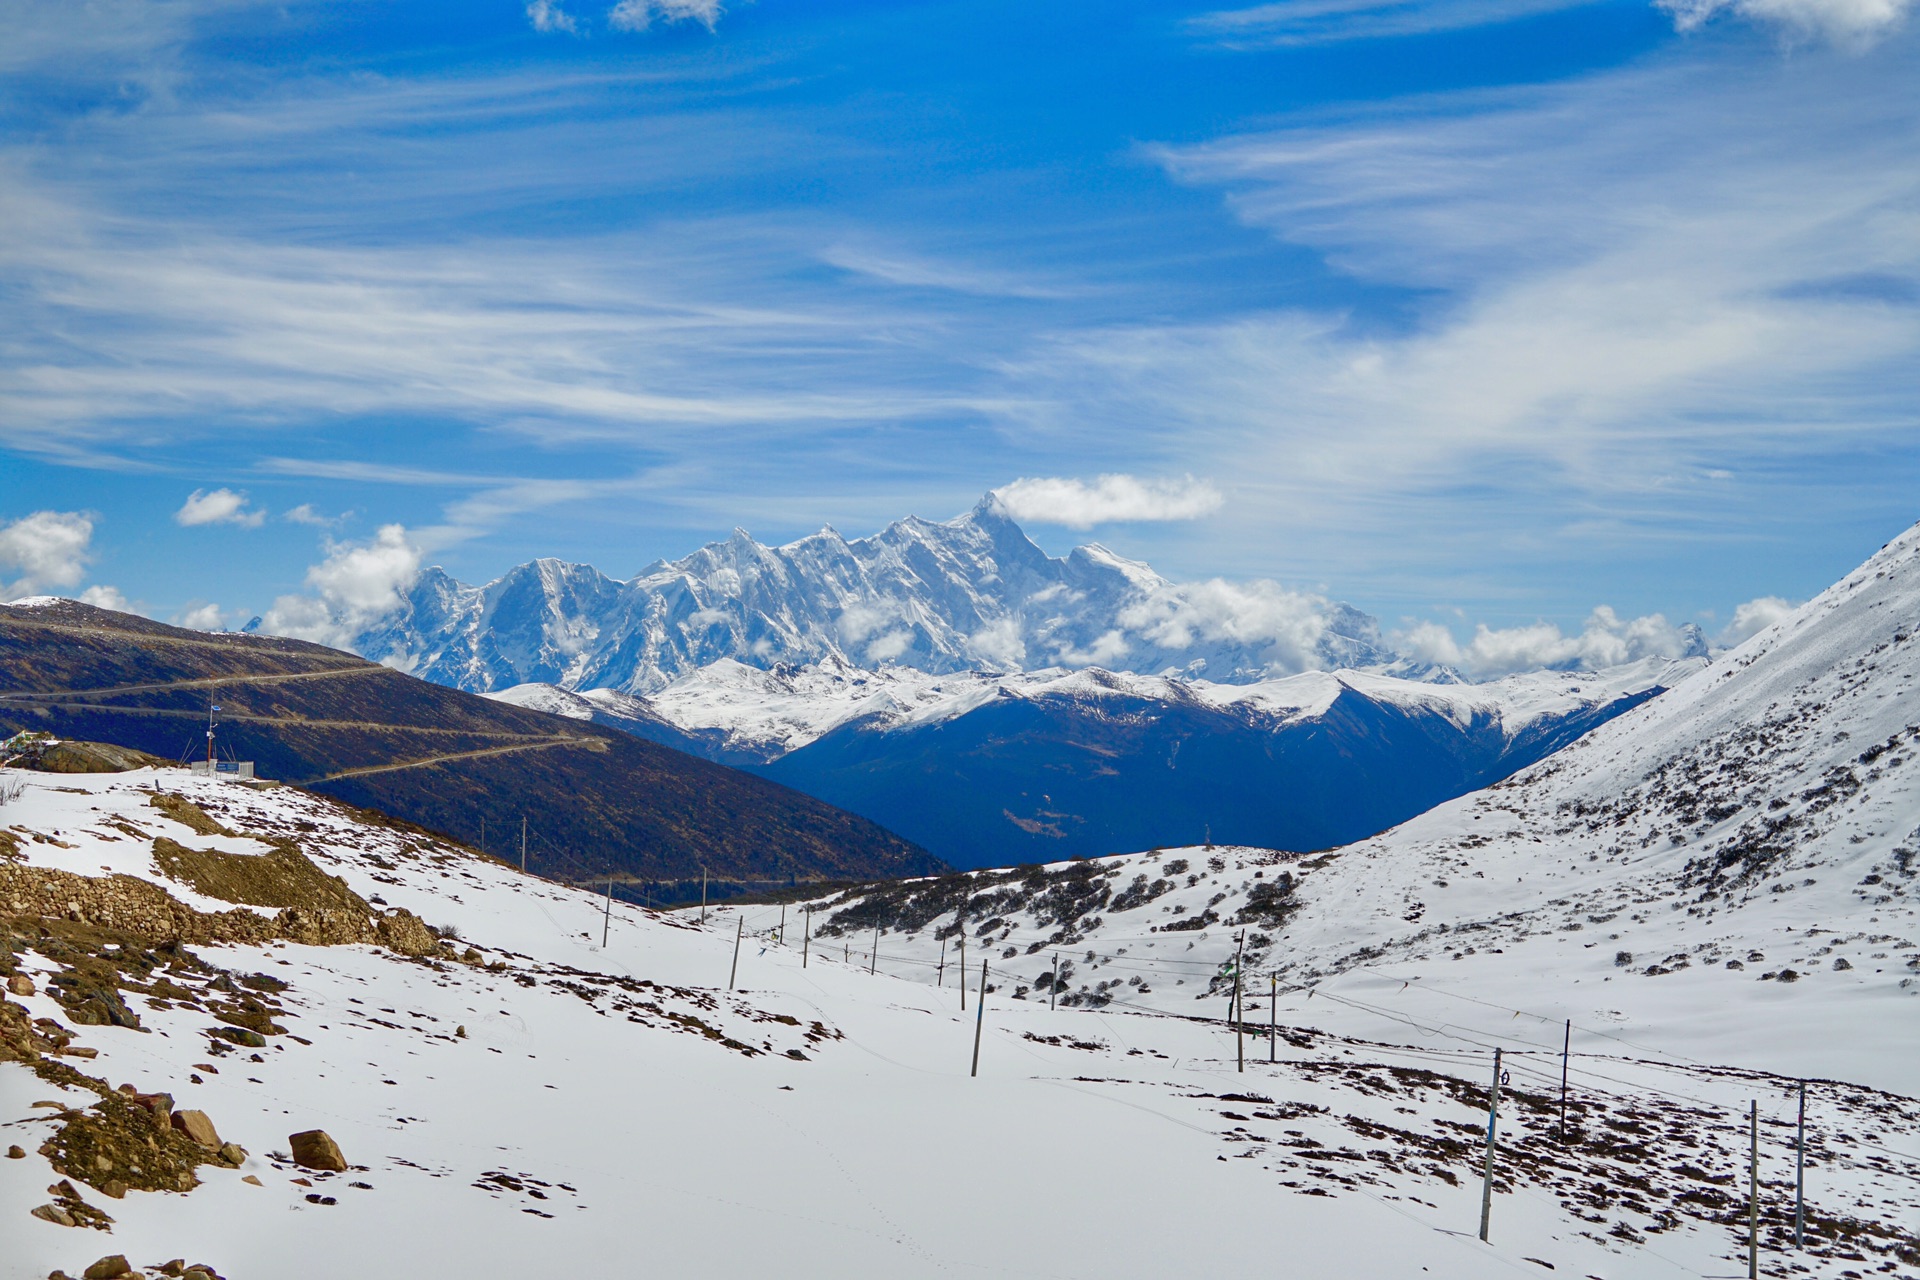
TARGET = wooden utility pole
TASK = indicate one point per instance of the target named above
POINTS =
(1565, 1045)
(703, 895)
(963, 968)
(1800, 1174)
(1493, 1133)
(806, 938)
(606, 921)
(1753, 1190)
(873, 960)
(1239, 1014)
(1273, 1017)
(940, 974)
(739, 925)
(783, 924)
(979, 1019)
(1053, 996)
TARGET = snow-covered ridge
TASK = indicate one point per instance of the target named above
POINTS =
(972, 594)
(764, 714)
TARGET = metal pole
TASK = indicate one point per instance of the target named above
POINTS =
(606, 921)
(739, 924)
(523, 842)
(979, 1019)
(1565, 1044)
(1273, 1018)
(1053, 996)
(873, 960)
(1239, 1014)
(1493, 1133)
(806, 939)
(1800, 1174)
(703, 895)
(783, 924)
(963, 968)
(941, 974)
(1753, 1191)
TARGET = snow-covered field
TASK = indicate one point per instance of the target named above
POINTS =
(554, 1106)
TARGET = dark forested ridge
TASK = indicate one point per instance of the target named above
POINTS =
(595, 799)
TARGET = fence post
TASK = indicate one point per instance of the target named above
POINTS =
(1753, 1190)
(979, 1019)
(739, 924)
(1493, 1133)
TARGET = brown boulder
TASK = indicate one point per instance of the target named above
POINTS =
(197, 1126)
(110, 1268)
(19, 984)
(315, 1150)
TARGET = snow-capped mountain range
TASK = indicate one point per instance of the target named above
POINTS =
(968, 594)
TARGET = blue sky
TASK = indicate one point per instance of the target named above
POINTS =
(1465, 311)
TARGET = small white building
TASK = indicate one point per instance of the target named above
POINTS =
(228, 769)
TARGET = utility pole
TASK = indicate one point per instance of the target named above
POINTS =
(1239, 1019)
(783, 924)
(703, 895)
(1053, 996)
(1753, 1190)
(940, 974)
(1800, 1175)
(1493, 1132)
(739, 924)
(1565, 1045)
(606, 922)
(963, 968)
(806, 938)
(873, 960)
(1273, 1017)
(523, 843)
(979, 1019)
(483, 836)
(210, 710)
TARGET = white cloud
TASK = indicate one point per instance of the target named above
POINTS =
(638, 15)
(47, 549)
(206, 617)
(1607, 640)
(1755, 616)
(105, 597)
(306, 513)
(1285, 627)
(1853, 24)
(358, 585)
(1079, 505)
(890, 646)
(548, 16)
(218, 506)
(1304, 22)
(1000, 643)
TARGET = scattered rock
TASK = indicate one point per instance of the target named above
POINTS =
(233, 1154)
(55, 1214)
(108, 1268)
(314, 1149)
(253, 1180)
(196, 1125)
(16, 1153)
(19, 984)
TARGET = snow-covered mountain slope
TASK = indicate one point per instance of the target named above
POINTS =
(998, 769)
(580, 1093)
(965, 594)
(1728, 871)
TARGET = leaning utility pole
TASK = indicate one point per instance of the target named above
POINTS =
(1565, 1045)
(806, 938)
(739, 924)
(1053, 993)
(979, 1019)
(1273, 1017)
(1239, 1014)
(1753, 1191)
(606, 922)
(1800, 1174)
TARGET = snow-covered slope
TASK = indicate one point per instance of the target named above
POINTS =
(554, 1105)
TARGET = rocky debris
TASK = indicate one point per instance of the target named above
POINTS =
(108, 1268)
(197, 1126)
(406, 933)
(19, 984)
(281, 877)
(47, 754)
(70, 1210)
(118, 1146)
(314, 1149)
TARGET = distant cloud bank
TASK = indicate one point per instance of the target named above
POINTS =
(1109, 499)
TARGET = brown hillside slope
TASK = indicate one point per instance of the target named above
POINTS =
(595, 799)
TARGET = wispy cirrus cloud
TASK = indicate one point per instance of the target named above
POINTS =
(1291, 23)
